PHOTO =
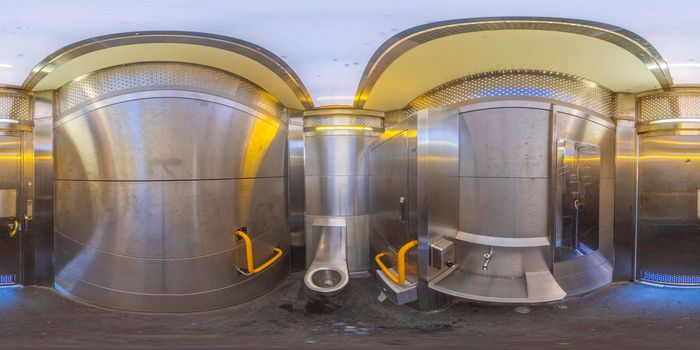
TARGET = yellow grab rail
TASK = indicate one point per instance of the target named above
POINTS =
(249, 254)
(15, 228)
(401, 264)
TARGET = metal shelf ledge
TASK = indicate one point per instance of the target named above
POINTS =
(502, 241)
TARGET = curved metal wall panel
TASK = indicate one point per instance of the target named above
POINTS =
(337, 176)
(202, 140)
(163, 75)
(518, 83)
(677, 103)
(150, 187)
(177, 220)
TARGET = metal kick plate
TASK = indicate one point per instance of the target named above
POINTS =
(397, 294)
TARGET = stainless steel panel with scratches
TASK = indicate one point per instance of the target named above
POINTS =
(128, 141)
(388, 190)
(480, 177)
(669, 179)
(11, 258)
(577, 197)
(505, 142)
(504, 207)
(583, 159)
(504, 201)
(42, 227)
(414, 194)
(336, 155)
(149, 188)
(340, 195)
(356, 241)
(167, 219)
(337, 190)
(295, 164)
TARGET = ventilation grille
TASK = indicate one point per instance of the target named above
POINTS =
(153, 76)
(7, 280)
(663, 106)
(368, 121)
(518, 83)
(679, 280)
(15, 105)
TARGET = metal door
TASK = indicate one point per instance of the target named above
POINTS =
(577, 187)
(10, 175)
(669, 209)
(389, 191)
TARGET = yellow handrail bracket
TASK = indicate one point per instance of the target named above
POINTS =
(249, 254)
(401, 263)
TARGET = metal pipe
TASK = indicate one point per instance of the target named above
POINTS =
(401, 263)
(249, 254)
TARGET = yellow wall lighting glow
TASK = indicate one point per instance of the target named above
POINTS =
(342, 127)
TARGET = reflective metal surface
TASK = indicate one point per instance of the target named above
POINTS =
(149, 190)
(585, 272)
(480, 177)
(336, 179)
(295, 164)
(10, 201)
(414, 195)
(577, 195)
(625, 199)
(328, 272)
(504, 186)
(669, 179)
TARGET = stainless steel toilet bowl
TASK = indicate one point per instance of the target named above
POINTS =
(327, 277)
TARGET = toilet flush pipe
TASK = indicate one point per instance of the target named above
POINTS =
(249, 254)
(401, 263)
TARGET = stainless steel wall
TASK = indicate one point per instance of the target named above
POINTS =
(668, 211)
(151, 181)
(42, 221)
(295, 164)
(669, 208)
(482, 177)
(336, 177)
(17, 187)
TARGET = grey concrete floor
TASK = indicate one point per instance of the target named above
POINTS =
(620, 316)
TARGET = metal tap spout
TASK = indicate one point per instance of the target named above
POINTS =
(487, 259)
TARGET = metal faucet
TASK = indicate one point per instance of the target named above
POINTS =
(487, 259)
